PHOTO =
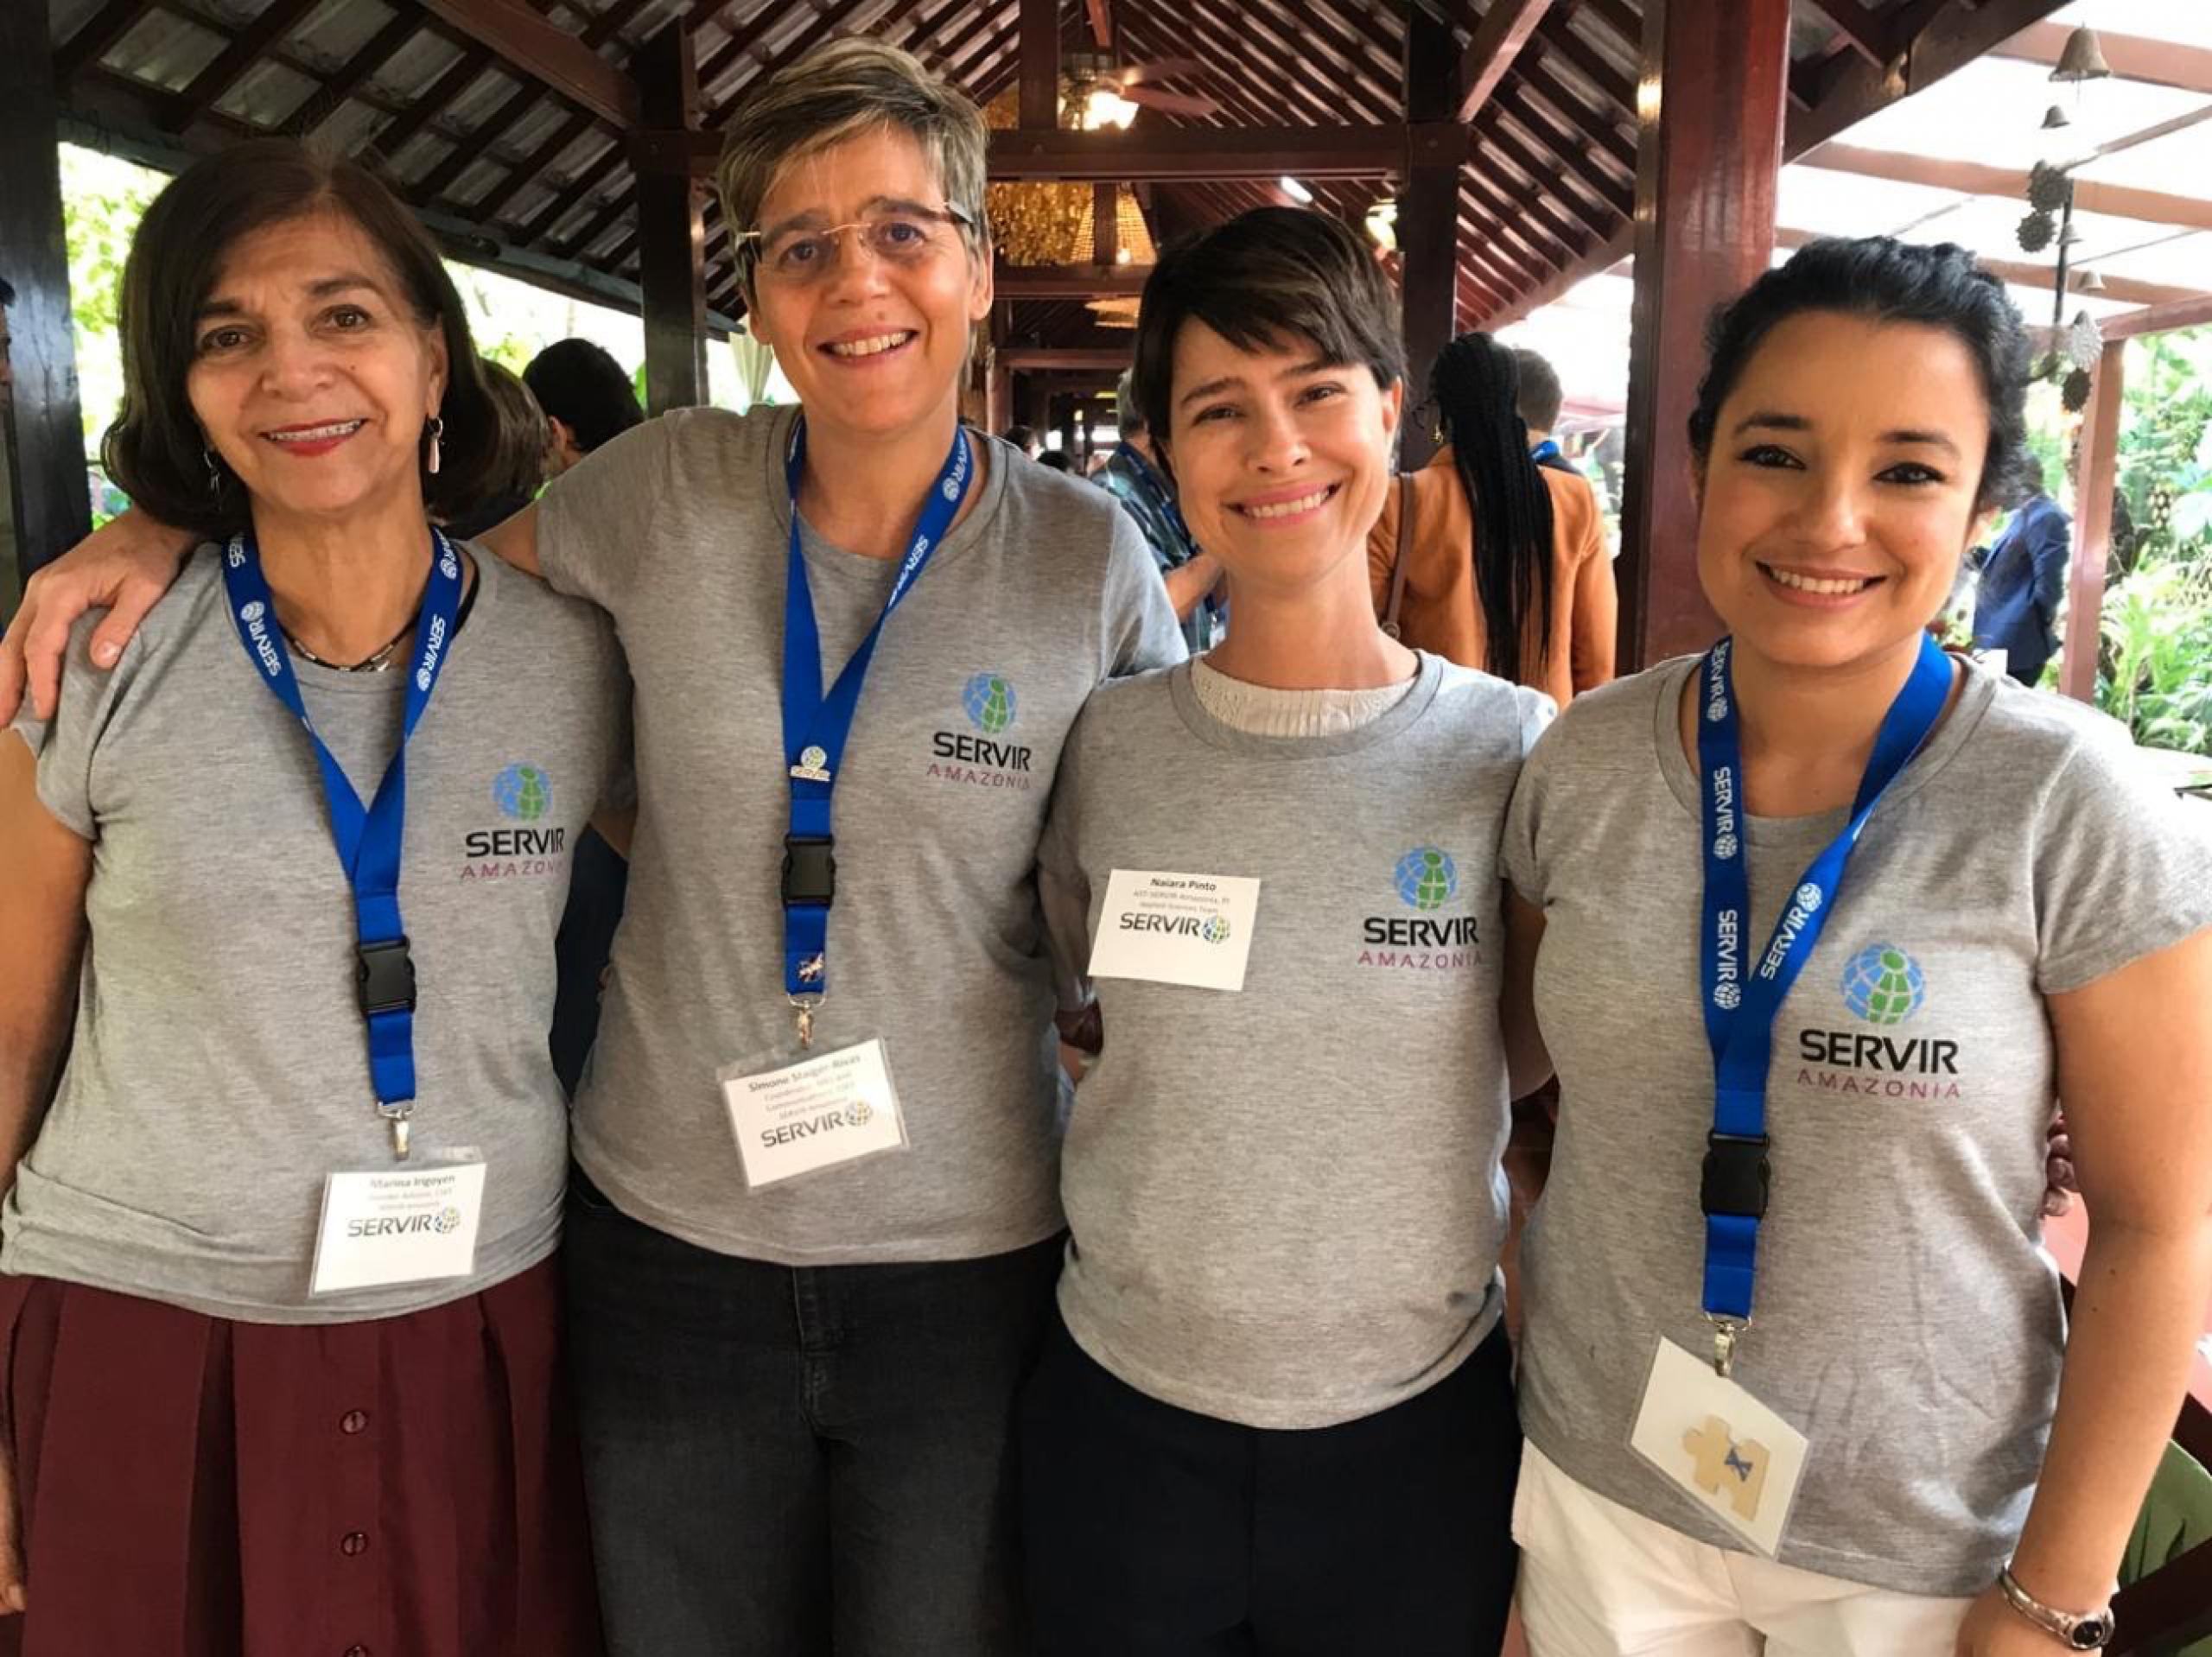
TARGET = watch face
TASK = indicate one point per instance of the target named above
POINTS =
(2092, 1632)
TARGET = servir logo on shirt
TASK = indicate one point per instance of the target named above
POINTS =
(521, 793)
(1426, 881)
(991, 705)
(1883, 987)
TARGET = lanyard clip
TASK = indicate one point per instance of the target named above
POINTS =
(1725, 1332)
(397, 1115)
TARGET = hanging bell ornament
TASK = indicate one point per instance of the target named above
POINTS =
(2071, 236)
(2055, 117)
(2036, 232)
(2084, 58)
(2047, 187)
(2084, 340)
(2073, 395)
(2089, 282)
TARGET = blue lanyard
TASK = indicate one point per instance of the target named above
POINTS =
(1743, 994)
(368, 838)
(816, 727)
(1544, 451)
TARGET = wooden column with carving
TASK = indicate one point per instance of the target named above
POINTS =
(671, 234)
(1428, 215)
(40, 419)
(2094, 477)
(1711, 101)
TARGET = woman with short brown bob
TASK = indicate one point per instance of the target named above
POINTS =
(279, 1349)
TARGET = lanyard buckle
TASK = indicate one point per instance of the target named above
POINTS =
(383, 974)
(1736, 1175)
(810, 869)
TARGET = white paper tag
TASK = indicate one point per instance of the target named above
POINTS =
(1727, 1451)
(1171, 928)
(397, 1225)
(816, 1114)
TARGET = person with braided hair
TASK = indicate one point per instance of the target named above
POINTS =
(1486, 559)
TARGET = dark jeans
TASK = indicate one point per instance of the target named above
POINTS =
(784, 1462)
(1150, 1531)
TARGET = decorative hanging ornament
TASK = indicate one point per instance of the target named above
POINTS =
(2089, 282)
(2036, 232)
(2071, 236)
(2084, 340)
(2084, 58)
(2055, 117)
(2073, 394)
(2047, 187)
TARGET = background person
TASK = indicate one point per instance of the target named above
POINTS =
(1308, 1445)
(1505, 562)
(236, 1423)
(1130, 475)
(587, 397)
(2022, 581)
(2024, 916)
(1025, 438)
(1539, 399)
(517, 470)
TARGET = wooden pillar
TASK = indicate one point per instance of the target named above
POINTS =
(42, 422)
(1428, 215)
(2098, 471)
(1040, 80)
(671, 234)
(1710, 104)
(1105, 224)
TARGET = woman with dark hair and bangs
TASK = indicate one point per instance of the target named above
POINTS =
(279, 1327)
(1277, 1413)
(1830, 921)
(1487, 558)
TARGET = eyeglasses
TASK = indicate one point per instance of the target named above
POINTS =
(905, 236)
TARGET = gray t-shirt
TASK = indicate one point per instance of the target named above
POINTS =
(220, 1068)
(1286, 1202)
(680, 529)
(1906, 1317)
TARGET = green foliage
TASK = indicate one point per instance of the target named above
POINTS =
(2157, 670)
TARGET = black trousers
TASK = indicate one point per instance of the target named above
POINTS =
(1152, 1532)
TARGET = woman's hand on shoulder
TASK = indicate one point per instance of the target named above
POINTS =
(123, 568)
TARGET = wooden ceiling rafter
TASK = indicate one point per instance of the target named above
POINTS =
(1860, 29)
(97, 36)
(1571, 150)
(1572, 193)
(388, 141)
(1598, 128)
(1491, 51)
(330, 95)
(227, 66)
(530, 48)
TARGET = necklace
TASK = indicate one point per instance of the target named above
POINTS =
(376, 661)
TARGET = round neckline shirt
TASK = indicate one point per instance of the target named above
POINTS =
(1906, 1318)
(219, 1068)
(680, 530)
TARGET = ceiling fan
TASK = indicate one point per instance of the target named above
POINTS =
(1090, 79)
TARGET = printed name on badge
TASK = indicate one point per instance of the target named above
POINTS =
(398, 1225)
(1730, 1453)
(1168, 927)
(816, 1113)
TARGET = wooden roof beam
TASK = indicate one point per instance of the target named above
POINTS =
(1068, 281)
(1600, 222)
(1556, 39)
(547, 54)
(1041, 65)
(1497, 41)
(2129, 290)
(1865, 33)
(223, 71)
(1572, 148)
(1975, 178)
(1954, 38)
(1598, 127)
(326, 99)
(95, 36)
(389, 139)
(1100, 15)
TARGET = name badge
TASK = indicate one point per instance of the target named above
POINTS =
(1167, 928)
(410, 1225)
(816, 1114)
(1728, 1452)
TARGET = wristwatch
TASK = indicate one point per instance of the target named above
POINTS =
(2076, 1630)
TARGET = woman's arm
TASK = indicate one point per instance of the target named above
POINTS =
(1596, 612)
(41, 935)
(124, 567)
(2135, 1071)
(1527, 1062)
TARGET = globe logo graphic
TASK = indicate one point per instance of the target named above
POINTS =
(251, 611)
(449, 1220)
(523, 792)
(1217, 930)
(859, 1112)
(1427, 878)
(1727, 997)
(1716, 710)
(1809, 897)
(989, 701)
(1724, 847)
(1884, 985)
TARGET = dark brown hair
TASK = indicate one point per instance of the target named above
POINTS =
(518, 451)
(1267, 277)
(156, 450)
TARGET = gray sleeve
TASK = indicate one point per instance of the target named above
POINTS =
(1141, 630)
(1517, 854)
(595, 520)
(1537, 713)
(67, 745)
(2123, 867)
(1063, 890)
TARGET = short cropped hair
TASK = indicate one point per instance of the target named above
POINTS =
(1885, 281)
(1022, 437)
(1541, 393)
(580, 384)
(1267, 277)
(155, 449)
(844, 90)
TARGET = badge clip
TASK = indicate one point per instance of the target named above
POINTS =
(397, 1115)
(803, 1015)
(1726, 1333)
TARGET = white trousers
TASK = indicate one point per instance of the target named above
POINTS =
(1600, 1580)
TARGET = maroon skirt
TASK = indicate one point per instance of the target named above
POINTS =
(191, 1487)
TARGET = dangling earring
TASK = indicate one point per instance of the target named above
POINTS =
(438, 430)
(214, 471)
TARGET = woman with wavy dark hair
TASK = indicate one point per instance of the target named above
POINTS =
(279, 1333)
(1486, 558)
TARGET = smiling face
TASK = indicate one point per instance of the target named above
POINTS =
(1839, 494)
(311, 375)
(874, 345)
(1280, 460)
